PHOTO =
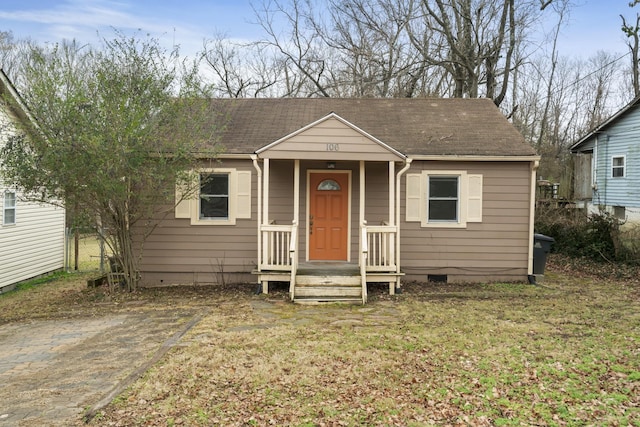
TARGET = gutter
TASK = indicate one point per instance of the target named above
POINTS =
(424, 157)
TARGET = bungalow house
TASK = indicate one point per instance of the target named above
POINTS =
(331, 194)
(606, 174)
(32, 235)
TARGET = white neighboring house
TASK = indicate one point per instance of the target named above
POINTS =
(32, 235)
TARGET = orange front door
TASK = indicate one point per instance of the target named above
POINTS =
(328, 216)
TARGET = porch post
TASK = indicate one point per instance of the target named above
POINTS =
(296, 191)
(392, 196)
(265, 215)
(362, 190)
(363, 243)
(392, 220)
(361, 209)
(265, 186)
(294, 253)
(256, 166)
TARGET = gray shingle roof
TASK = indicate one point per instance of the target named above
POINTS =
(412, 126)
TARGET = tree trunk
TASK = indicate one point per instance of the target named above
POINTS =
(76, 249)
(632, 32)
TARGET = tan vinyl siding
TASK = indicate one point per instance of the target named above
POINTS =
(281, 191)
(495, 248)
(377, 193)
(329, 139)
(180, 253)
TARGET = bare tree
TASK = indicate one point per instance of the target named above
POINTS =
(242, 70)
(372, 45)
(474, 41)
(631, 31)
(300, 46)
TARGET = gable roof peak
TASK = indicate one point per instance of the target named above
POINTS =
(343, 128)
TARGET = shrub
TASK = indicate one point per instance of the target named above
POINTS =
(596, 236)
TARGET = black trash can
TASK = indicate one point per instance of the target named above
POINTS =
(541, 247)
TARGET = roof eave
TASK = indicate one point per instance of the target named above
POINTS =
(474, 158)
(599, 128)
(18, 105)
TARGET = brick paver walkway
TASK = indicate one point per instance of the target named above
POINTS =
(52, 370)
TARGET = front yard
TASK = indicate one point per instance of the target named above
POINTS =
(564, 353)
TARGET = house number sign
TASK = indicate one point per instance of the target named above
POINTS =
(333, 147)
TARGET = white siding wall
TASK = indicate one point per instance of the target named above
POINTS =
(34, 245)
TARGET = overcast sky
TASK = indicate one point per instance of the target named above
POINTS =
(594, 24)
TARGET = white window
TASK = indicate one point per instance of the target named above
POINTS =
(9, 208)
(617, 166)
(444, 198)
(220, 196)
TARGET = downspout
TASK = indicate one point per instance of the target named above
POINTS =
(532, 212)
(254, 157)
(401, 172)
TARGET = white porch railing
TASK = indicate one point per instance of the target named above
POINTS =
(276, 246)
(381, 247)
(377, 252)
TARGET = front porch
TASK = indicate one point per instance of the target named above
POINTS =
(318, 188)
(329, 281)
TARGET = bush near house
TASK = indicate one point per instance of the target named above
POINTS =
(598, 236)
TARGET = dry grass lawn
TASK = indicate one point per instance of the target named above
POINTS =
(564, 353)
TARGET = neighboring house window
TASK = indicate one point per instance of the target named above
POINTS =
(9, 211)
(214, 196)
(620, 212)
(444, 198)
(219, 196)
(617, 166)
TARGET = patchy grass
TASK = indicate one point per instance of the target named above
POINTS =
(67, 295)
(566, 353)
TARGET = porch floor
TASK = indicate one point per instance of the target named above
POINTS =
(328, 268)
